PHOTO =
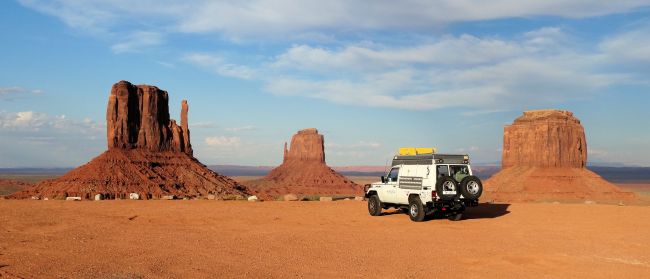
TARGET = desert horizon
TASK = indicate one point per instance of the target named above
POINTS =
(324, 139)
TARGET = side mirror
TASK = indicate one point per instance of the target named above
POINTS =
(383, 179)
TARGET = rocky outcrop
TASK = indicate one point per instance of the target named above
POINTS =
(545, 138)
(544, 159)
(148, 154)
(138, 117)
(306, 146)
(304, 171)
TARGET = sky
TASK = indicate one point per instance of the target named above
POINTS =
(371, 76)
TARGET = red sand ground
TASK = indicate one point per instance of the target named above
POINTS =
(185, 239)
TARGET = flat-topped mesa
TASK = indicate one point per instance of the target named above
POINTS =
(306, 146)
(138, 117)
(545, 138)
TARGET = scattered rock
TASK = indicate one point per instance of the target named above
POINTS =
(46, 199)
(346, 199)
(620, 203)
(35, 198)
(73, 198)
(186, 198)
(168, 197)
(359, 198)
(134, 196)
(211, 197)
(290, 197)
(325, 199)
(590, 202)
(252, 198)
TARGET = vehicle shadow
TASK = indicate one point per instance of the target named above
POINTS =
(486, 210)
(393, 212)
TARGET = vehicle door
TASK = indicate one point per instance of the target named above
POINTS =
(409, 181)
(391, 188)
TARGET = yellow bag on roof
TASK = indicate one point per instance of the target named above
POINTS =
(416, 150)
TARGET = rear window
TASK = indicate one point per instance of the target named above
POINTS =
(442, 170)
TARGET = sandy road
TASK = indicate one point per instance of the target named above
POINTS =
(174, 239)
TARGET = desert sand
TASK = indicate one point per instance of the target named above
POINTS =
(202, 238)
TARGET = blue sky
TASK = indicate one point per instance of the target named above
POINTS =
(372, 76)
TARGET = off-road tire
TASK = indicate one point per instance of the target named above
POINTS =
(448, 182)
(456, 216)
(471, 187)
(374, 205)
(416, 209)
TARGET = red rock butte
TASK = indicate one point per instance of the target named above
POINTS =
(148, 154)
(304, 171)
(544, 159)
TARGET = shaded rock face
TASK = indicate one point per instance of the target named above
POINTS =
(544, 159)
(303, 171)
(138, 117)
(148, 154)
(545, 138)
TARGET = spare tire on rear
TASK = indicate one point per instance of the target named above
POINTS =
(471, 187)
(447, 188)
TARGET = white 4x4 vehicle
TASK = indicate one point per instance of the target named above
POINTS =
(424, 184)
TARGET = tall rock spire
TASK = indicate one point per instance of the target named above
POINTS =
(187, 148)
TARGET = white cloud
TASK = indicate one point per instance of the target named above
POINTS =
(597, 152)
(217, 65)
(223, 141)
(269, 17)
(202, 125)
(628, 47)
(541, 67)
(138, 42)
(41, 140)
(9, 93)
(30, 122)
(240, 129)
(357, 145)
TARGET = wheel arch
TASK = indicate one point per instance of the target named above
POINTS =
(370, 193)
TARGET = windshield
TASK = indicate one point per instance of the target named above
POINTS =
(392, 175)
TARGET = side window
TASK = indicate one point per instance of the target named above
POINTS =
(392, 175)
(442, 170)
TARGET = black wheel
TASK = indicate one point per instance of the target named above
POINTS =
(471, 187)
(447, 188)
(374, 205)
(416, 209)
(456, 216)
